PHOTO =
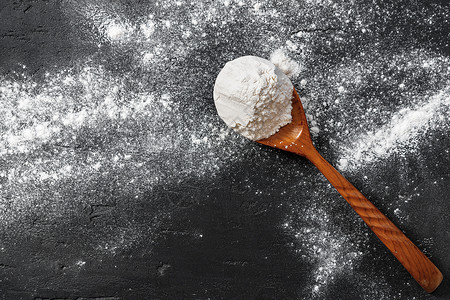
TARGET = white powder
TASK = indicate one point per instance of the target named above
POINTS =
(253, 97)
(116, 31)
(128, 115)
(148, 28)
(290, 67)
(403, 127)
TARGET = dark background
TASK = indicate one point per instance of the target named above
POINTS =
(221, 234)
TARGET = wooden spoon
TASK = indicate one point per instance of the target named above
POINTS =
(295, 138)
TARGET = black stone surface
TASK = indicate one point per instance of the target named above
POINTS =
(215, 237)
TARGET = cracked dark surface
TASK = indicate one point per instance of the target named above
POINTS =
(212, 237)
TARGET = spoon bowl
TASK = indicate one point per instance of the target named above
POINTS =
(296, 138)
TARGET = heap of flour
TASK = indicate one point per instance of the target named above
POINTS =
(253, 97)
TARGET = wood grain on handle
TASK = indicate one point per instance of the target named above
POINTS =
(417, 264)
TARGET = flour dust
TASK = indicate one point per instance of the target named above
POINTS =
(123, 118)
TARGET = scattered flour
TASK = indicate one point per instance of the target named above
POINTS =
(399, 132)
(115, 31)
(333, 252)
(148, 28)
(78, 128)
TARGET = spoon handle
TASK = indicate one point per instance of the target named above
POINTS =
(417, 264)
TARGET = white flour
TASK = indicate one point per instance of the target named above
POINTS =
(332, 251)
(397, 134)
(135, 118)
(290, 67)
(253, 97)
